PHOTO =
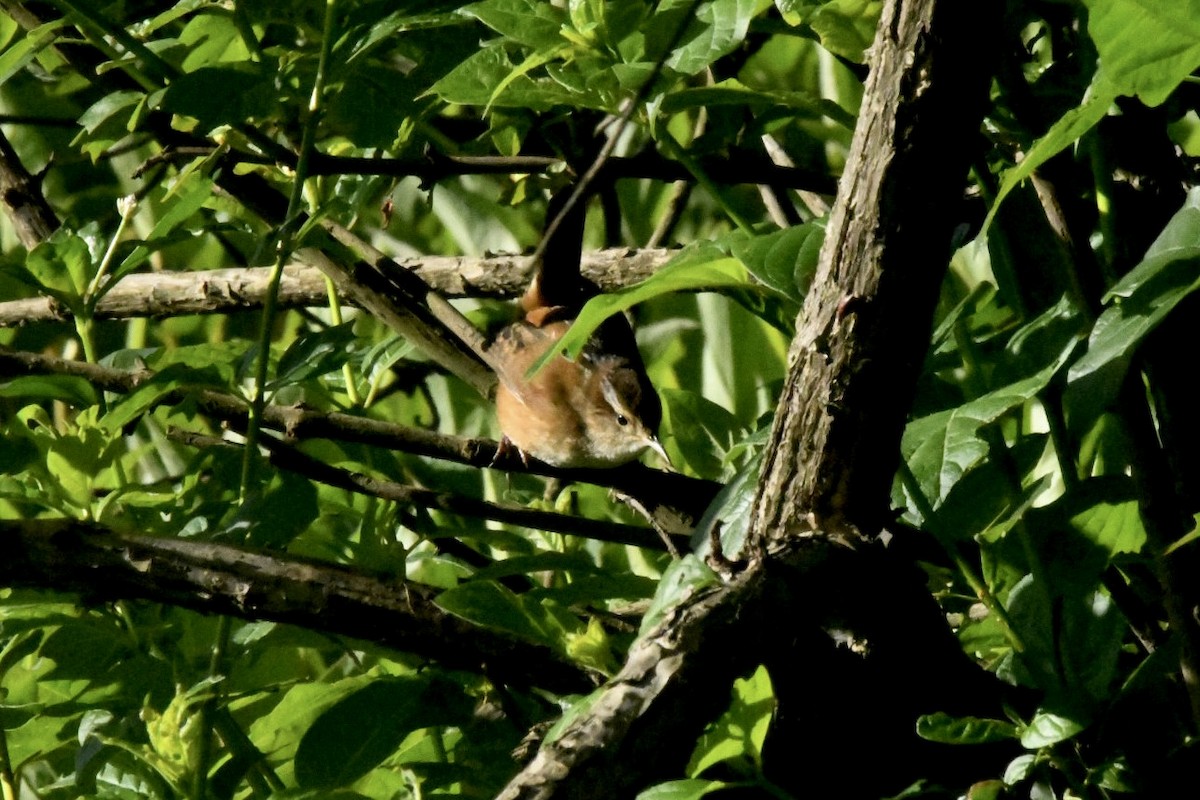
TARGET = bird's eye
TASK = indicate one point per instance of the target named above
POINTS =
(622, 420)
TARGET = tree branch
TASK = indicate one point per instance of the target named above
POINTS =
(740, 168)
(21, 195)
(101, 564)
(674, 501)
(170, 293)
(285, 457)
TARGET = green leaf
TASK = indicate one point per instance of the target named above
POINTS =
(741, 732)
(1148, 48)
(1019, 768)
(212, 38)
(76, 392)
(1046, 729)
(702, 431)
(1111, 523)
(529, 22)
(1137, 305)
(274, 518)
(192, 192)
(17, 56)
(732, 92)
(359, 731)
(784, 260)
(942, 727)
(1073, 634)
(144, 397)
(716, 30)
(108, 106)
(1187, 538)
(494, 606)
(474, 83)
(61, 267)
(1073, 125)
(686, 272)
(689, 789)
(685, 578)
(943, 447)
(314, 354)
(217, 96)
(730, 510)
(845, 27)
(592, 648)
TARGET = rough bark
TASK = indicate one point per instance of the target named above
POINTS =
(21, 194)
(865, 324)
(220, 291)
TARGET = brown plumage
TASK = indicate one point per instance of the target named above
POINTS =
(597, 411)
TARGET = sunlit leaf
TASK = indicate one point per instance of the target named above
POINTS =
(682, 274)
(718, 27)
(1147, 48)
(1136, 306)
(1046, 729)
(741, 731)
(942, 727)
(529, 22)
(689, 789)
(845, 27)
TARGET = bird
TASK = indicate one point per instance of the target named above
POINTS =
(599, 410)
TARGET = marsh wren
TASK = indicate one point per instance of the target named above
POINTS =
(597, 411)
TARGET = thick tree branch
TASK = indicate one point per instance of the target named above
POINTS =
(220, 291)
(100, 564)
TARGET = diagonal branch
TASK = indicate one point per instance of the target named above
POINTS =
(285, 457)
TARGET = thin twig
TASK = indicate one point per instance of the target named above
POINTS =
(283, 456)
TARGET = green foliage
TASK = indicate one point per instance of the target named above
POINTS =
(1024, 456)
(734, 742)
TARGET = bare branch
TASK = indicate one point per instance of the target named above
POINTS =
(101, 564)
(285, 457)
(168, 294)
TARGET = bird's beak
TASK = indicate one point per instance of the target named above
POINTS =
(654, 444)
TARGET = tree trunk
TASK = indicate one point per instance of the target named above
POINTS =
(826, 480)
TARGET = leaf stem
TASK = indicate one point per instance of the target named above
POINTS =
(335, 316)
(206, 709)
(8, 781)
(977, 584)
(285, 244)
